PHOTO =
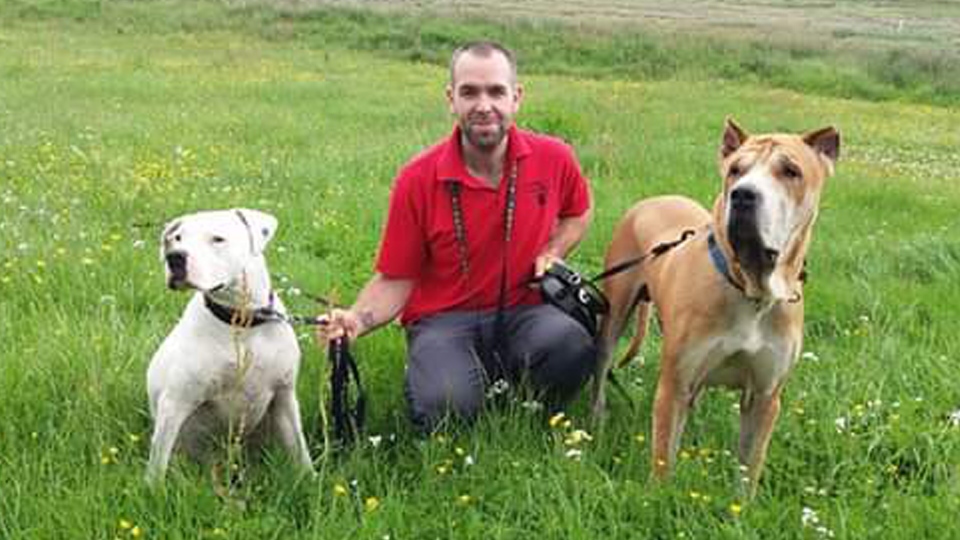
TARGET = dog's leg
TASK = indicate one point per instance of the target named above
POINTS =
(758, 414)
(622, 292)
(287, 425)
(170, 418)
(670, 409)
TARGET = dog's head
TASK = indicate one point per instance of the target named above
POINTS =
(209, 251)
(771, 192)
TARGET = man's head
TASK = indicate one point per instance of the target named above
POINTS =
(483, 92)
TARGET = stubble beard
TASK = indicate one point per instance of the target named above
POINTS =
(484, 141)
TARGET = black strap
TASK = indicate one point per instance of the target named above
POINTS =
(247, 318)
(655, 252)
(348, 411)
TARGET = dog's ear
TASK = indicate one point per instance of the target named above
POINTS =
(733, 137)
(168, 229)
(826, 141)
(261, 225)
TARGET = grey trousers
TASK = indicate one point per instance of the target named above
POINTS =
(452, 360)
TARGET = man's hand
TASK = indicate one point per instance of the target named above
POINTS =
(543, 262)
(338, 323)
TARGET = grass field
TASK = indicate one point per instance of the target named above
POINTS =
(117, 116)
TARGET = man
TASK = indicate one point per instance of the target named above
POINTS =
(472, 220)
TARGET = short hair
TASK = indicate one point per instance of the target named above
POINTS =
(484, 49)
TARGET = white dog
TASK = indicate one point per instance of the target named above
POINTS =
(231, 360)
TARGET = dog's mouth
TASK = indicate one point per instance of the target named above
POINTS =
(754, 257)
(177, 271)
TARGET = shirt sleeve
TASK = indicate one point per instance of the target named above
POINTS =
(575, 194)
(402, 246)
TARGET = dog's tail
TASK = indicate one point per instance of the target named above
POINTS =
(643, 317)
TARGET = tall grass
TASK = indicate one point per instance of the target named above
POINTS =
(118, 116)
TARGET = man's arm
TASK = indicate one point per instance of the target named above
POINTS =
(379, 302)
(566, 236)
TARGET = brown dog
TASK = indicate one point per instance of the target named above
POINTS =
(729, 298)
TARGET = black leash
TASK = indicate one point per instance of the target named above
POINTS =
(655, 252)
(348, 410)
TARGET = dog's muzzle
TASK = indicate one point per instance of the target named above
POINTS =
(177, 266)
(743, 231)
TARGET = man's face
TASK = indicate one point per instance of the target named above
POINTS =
(484, 97)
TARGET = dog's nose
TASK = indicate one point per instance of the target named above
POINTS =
(177, 262)
(744, 198)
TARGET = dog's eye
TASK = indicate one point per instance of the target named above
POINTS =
(218, 239)
(791, 171)
(734, 171)
(177, 238)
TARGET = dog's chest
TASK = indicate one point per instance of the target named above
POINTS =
(750, 352)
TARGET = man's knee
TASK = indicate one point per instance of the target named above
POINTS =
(432, 401)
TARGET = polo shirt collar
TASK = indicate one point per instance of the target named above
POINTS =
(450, 166)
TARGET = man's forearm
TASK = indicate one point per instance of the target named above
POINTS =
(568, 234)
(380, 301)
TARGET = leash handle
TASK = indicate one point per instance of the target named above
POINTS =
(348, 418)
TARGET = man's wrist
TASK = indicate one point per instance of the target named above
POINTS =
(366, 321)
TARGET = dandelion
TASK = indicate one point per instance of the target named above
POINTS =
(557, 419)
(459, 451)
(340, 490)
(684, 455)
(576, 437)
(464, 499)
(371, 504)
(133, 437)
(125, 524)
(640, 438)
(735, 509)
(695, 495)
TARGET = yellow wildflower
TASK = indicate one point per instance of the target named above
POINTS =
(340, 490)
(735, 509)
(371, 504)
(556, 419)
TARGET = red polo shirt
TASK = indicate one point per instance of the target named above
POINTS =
(419, 241)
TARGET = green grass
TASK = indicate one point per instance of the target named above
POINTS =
(118, 116)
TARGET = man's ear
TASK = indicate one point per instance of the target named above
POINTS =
(450, 98)
(262, 227)
(826, 141)
(168, 229)
(733, 138)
